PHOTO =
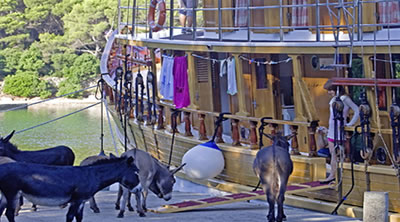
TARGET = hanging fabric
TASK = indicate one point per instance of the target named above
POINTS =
(232, 87)
(223, 66)
(241, 14)
(181, 84)
(167, 79)
(389, 12)
(299, 14)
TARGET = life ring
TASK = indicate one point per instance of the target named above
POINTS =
(161, 18)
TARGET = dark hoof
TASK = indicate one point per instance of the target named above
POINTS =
(142, 215)
(117, 206)
(120, 215)
(95, 210)
(130, 208)
(145, 209)
(34, 209)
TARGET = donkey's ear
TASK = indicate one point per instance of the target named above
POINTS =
(5, 140)
(288, 137)
(112, 156)
(177, 169)
(269, 136)
(130, 160)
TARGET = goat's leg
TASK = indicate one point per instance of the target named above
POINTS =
(117, 203)
(93, 205)
(271, 203)
(125, 193)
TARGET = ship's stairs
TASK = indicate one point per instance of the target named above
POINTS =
(237, 197)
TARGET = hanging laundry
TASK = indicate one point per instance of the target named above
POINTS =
(299, 14)
(223, 67)
(232, 88)
(181, 84)
(167, 78)
(389, 12)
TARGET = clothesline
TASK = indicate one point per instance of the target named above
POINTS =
(252, 60)
(208, 58)
(266, 62)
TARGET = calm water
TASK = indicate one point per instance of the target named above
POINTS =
(80, 131)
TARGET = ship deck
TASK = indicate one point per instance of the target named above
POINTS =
(240, 211)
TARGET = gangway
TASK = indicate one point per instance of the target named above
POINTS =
(236, 197)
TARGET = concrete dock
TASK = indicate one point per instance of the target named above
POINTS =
(240, 211)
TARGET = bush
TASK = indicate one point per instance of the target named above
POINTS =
(24, 84)
(67, 86)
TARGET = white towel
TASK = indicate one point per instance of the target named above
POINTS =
(167, 78)
(232, 88)
(223, 67)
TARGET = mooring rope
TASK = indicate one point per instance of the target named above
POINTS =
(46, 100)
(109, 124)
(58, 118)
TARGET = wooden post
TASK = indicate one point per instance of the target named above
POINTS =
(295, 143)
(202, 128)
(272, 128)
(253, 134)
(311, 139)
(160, 122)
(188, 125)
(347, 146)
(241, 87)
(218, 137)
(235, 132)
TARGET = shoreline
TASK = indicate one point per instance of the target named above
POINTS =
(15, 101)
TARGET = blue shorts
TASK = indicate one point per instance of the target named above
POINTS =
(187, 6)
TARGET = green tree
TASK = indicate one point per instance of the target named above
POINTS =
(87, 24)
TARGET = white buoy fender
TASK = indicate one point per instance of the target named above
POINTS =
(203, 161)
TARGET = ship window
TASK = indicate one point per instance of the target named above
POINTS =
(261, 74)
(202, 67)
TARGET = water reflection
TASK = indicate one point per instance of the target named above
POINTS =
(80, 131)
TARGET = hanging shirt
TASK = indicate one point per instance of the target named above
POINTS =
(348, 104)
(232, 88)
(181, 84)
(167, 79)
(223, 67)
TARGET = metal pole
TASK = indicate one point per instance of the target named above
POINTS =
(219, 20)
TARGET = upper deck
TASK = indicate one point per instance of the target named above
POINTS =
(282, 24)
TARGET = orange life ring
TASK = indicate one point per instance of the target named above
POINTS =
(155, 27)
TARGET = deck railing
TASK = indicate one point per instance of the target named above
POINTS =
(244, 20)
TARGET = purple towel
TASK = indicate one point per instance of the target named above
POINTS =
(181, 84)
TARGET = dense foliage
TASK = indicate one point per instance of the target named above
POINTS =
(60, 39)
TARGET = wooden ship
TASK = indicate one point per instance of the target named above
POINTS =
(284, 51)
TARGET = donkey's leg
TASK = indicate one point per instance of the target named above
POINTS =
(3, 204)
(138, 195)
(129, 205)
(117, 203)
(145, 192)
(12, 199)
(281, 198)
(93, 205)
(79, 213)
(271, 203)
(125, 193)
(72, 211)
